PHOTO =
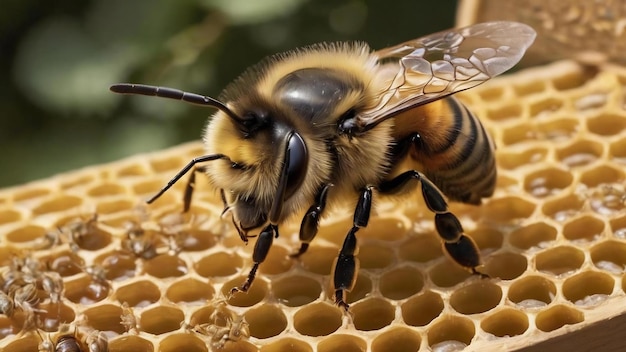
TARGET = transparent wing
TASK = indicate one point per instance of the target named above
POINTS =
(429, 68)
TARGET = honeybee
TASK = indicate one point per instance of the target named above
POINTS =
(7, 305)
(128, 319)
(97, 341)
(334, 122)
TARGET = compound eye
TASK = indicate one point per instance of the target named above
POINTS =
(298, 163)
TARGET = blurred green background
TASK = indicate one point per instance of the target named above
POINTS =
(58, 59)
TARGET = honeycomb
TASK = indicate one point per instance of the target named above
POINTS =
(85, 260)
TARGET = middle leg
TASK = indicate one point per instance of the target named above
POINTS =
(346, 266)
(311, 220)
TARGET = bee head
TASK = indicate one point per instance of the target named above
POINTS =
(270, 161)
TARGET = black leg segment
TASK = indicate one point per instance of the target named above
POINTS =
(346, 265)
(182, 173)
(461, 248)
(345, 268)
(191, 186)
(311, 221)
(261, 249)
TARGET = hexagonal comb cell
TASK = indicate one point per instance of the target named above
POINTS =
(256, 294)
(559, 260)
(296, 290)
(57, 204)
(375, 256)
(219, 264)
(9, 216)
(190, 291)
(182, 342)
(165, 266)
(277, 261)
(401, 283)
(558, 316)
(287, 344)
(563, 207)
(448, 274)
(450, 332)
(162, 319)
(584, 228)
(317, 319)
(138, 294)
(105, 317)
(533, 235)
(506, 322)
(422, 309)
(266, 321)
(106, 189)
(532, 291)
(25, 234)
(617, 150)
(402, 339)
(422, 249)
(609, 255)
(580, 153)
(372, 314)
(509, 208)
(130, 343)
(588, 288)
(54, 315)
(547, 181)
(602, 174)
(505, 265)
(607, 124)
(475, 298)
(514, 159)
(86, 290)
(341, 342)
(504, 113)
(118, 265)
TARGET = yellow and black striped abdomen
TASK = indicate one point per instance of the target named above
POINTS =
(454, 150)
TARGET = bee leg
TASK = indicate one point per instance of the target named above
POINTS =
(311, 221)
(458, 246)
(261, 249)
(191, 186)
(266, 237)
(346, 265)
(182, 173)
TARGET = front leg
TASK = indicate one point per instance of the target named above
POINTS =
(261, 249)
(266, 237)
(458, 246)
(346, 266)
(311, 221)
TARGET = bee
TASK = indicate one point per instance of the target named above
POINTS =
(128, 319)
(97, 341)
(7, 306)
(52, 283)
(80, 232)
(26, 298)
(224, 326)
(338, 122)
(46, 344)
(68, 343)
(141, 242)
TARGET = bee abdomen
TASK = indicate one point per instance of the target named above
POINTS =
(464, 167)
